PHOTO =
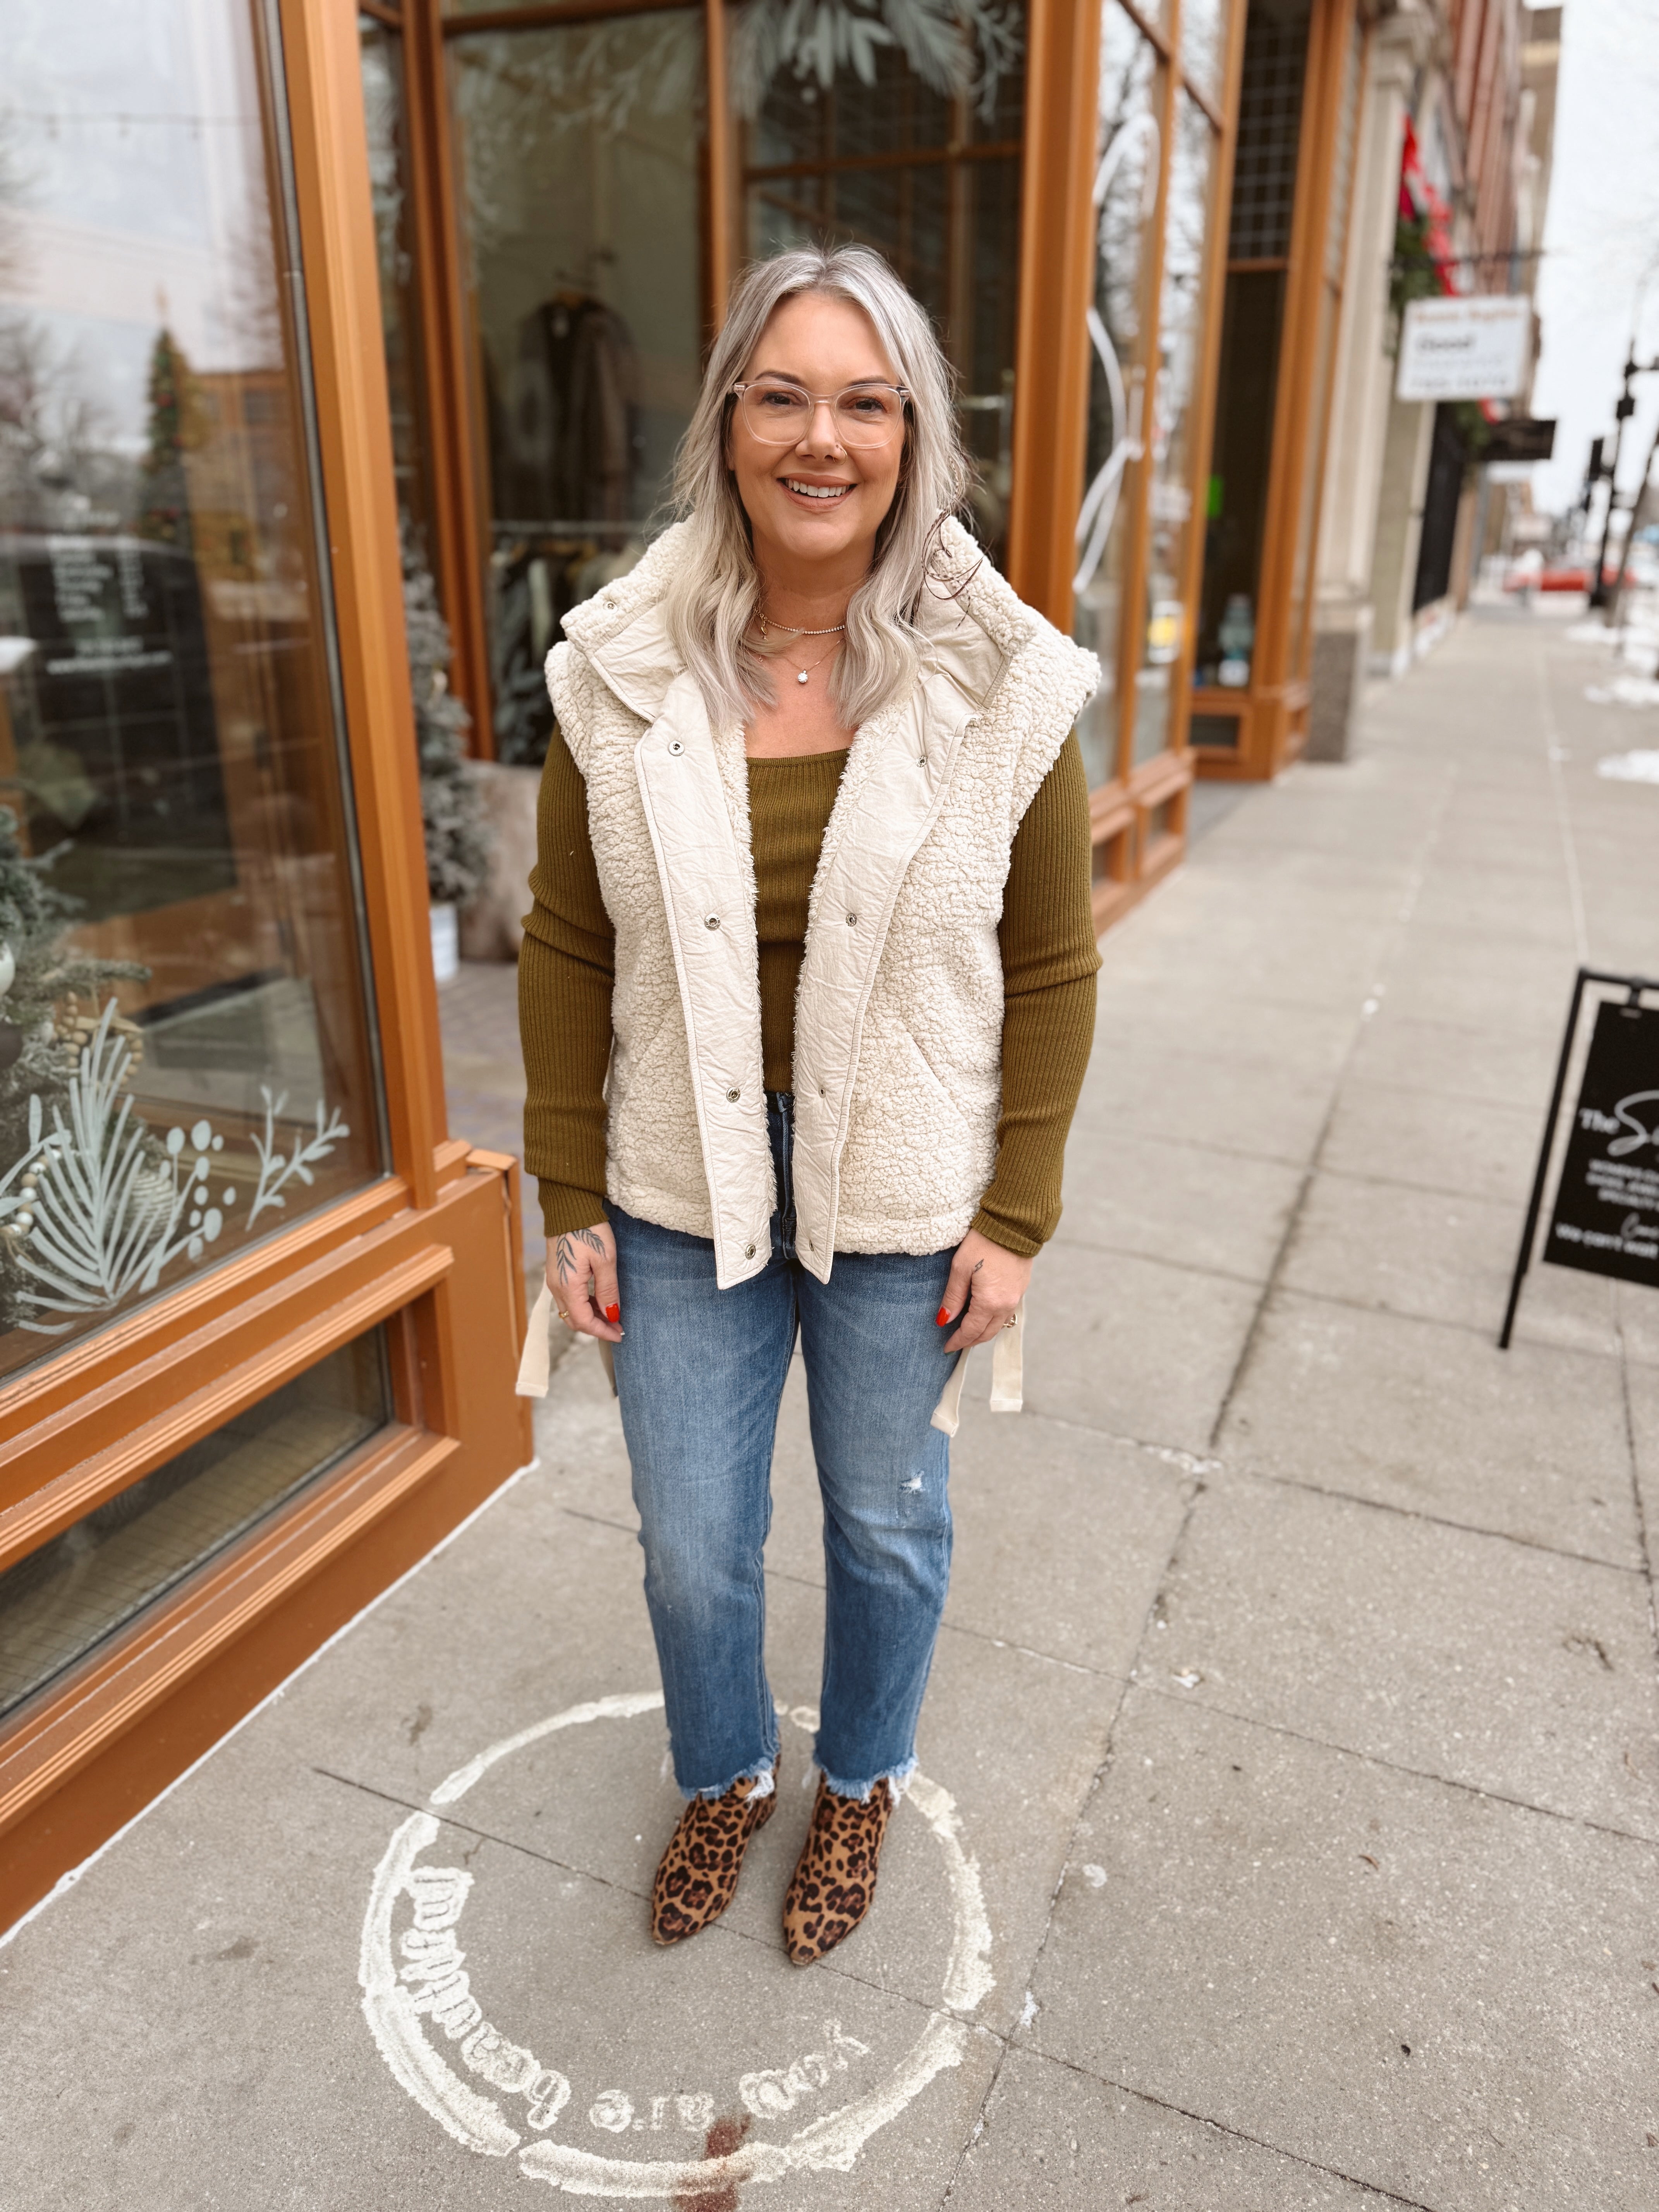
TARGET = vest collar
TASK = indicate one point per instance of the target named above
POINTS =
(623, 631)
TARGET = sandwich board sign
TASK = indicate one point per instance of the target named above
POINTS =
(1605, 1217)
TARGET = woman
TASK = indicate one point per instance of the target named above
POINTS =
(807, 996)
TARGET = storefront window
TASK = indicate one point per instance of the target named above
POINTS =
(187, 1056)
(1171, 427)
(908, 142)
(1330, 312)
(60, 1602)
(385, 114)
(1258, 252)
(1126, 196)
(579, 147)
(1204, 47)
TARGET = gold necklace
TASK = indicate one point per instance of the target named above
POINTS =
(784, 630)
(801, 674)
(779, 652)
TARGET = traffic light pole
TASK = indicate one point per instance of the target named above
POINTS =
(1622, 413)
(1638, 504)
(1602, 594)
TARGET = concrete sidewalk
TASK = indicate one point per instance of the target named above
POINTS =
(1290, 1828)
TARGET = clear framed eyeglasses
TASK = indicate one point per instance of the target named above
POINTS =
(780, 414)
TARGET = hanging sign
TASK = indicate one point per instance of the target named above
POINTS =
(1473, 348)
(1520, 440)
(1606, 1215)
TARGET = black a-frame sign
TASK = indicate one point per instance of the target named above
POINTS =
(1606, 1215)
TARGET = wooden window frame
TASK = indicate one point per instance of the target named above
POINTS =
(1051, 386)
(1273, 711)
(431, 1251)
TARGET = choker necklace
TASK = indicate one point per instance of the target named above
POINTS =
(834, 630)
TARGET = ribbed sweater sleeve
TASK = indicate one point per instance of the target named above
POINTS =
(1049, 962)
(567, 968)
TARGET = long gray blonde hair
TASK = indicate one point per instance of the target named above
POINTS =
(714, 596)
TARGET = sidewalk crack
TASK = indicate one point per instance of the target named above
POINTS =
(1153, 1689)
(1235, 2135)
(1637, 1501)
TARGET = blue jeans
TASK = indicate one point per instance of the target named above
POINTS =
(700, 1373)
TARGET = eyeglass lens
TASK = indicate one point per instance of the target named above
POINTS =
(781, 414)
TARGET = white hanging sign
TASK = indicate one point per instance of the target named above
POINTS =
(1478, 348)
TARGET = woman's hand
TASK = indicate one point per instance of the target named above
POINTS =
(581, 1273)
(988, 1281)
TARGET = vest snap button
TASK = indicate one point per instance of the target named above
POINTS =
(748, 1251)
(851, 921)
(734, 1095)
(675, 747)
(711, 922)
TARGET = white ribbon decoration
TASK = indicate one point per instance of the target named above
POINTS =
(1094, 521)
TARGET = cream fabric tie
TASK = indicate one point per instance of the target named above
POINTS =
(1007, 1377)
(538, 1361)
(533, 1368)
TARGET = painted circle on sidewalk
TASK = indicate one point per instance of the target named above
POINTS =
(427, 2020)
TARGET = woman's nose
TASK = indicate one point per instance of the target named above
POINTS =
(820, 435)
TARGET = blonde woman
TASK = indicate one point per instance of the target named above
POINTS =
(807, 996)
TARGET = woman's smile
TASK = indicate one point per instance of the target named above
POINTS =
(815, 492)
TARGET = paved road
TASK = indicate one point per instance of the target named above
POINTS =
(1289, 1831)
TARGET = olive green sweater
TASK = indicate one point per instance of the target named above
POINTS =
(567, 967)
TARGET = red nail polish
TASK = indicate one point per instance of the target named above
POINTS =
(943, 1317)
(613, 1314)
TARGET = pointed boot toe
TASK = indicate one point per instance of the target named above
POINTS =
(697, 1876)
(835, 1878)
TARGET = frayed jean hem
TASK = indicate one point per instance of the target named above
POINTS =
(762, 1774)
(896, 1779)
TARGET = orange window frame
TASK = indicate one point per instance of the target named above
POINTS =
(1272, 714)
(1138, 814)
(431, 1252)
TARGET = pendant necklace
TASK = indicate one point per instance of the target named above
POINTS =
(801, 674)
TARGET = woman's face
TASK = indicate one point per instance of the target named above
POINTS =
(816, 501)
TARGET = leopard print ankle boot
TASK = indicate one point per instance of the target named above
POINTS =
(835, 1879)
(697, 1877)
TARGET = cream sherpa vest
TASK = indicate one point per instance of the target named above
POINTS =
(898, 1021)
